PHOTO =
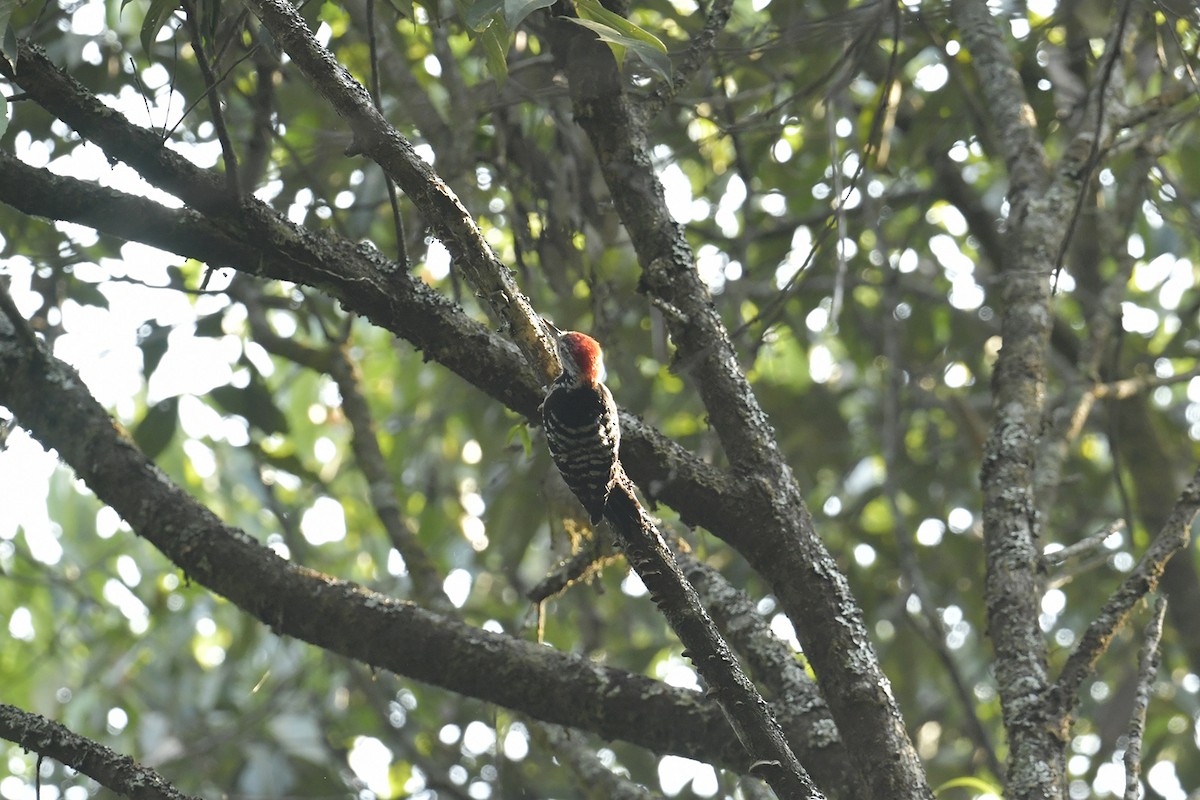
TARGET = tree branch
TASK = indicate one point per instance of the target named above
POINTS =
(777, 536)
(110, 769)
(1147, 669)
(440, 207)
(748, 714)
(1173, 537)
(261, 243)
(51, 402)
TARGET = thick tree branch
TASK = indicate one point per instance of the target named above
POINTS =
(51, 402)
(1010, 521)
(777, 537)
(1041, 203)
(110, 769)
(261, 243)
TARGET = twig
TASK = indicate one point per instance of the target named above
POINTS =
(595, 779)
(933, 627)
(701, 47)
(1128, 387)
(1084, 547)
(1147, 668)
(376, 98)
(214, 101)
(426, 582)
(336, 362)
(1098, 99)
(1174, 536)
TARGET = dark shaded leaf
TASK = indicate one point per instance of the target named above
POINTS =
(515, 11)
(157, 427)
(255, 403)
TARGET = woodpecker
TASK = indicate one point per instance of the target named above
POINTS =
(580, 417)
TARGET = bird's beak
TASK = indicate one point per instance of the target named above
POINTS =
(550, 327)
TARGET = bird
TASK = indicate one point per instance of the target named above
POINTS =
(579, 415)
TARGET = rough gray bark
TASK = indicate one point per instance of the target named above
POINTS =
(117, 772)
(779, 540)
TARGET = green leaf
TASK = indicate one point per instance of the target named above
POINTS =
(157, 427)
(521, 431)
(210, 326)
(403, 7)
(8, 47)
(255, 402)
(156, 16)
(154, 347)
(515, 11)
(88, 294)
(969, 782)
(621, 34)
(478, 16)
(290, 463)
(494, 43)
(592, 10)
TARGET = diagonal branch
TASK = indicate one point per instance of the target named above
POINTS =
(749, 715)
(1174, 536)
(777, 537)
(110, 769)
(52, 403)
(437, 203)
(261, 243)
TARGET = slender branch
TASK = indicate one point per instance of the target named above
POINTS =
(1084, 547)
(699, 50)
(748, 714)
(110, 769)
(402, 531)
(381, 488)
(439, 206)
(1147, 669)
(1173, 537)
(594, 779)
(1128, 387)
(933, 626)
(214, 100)
(376, 98)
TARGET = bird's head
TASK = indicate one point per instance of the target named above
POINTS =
(581, 357)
